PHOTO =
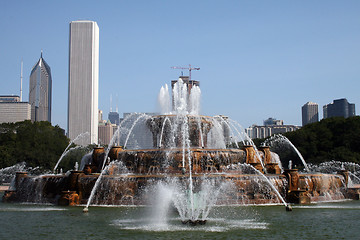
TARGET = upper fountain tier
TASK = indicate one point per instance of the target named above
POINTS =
(195, 131)
(186, 96)
(181, 125)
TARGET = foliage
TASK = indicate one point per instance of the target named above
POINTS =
(36, 143)
(335, 138)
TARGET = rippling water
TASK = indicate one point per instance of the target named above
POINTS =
(317, 221)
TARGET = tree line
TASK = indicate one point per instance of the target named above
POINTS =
(39, 144)
(330, 139)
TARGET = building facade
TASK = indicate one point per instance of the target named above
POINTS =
(106, 132)
(40, 88)
(189, 82)
(310, 113)
(339, 108)
(9, 98)
(83, 81)
(271, 127)
(266, 131)
(273, 121)
(12, 110)
(114, 117)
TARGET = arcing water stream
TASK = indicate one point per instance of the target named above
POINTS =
(278, 138)
(66, 151)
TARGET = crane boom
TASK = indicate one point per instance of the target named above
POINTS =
(188, 68)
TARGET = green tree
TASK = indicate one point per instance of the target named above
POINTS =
(37, 144)
(335, 138)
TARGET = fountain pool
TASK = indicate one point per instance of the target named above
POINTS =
(316, 221)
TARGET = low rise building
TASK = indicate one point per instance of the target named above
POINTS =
(12, 110)
(271, 126)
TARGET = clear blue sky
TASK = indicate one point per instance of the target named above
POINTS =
(258, 59)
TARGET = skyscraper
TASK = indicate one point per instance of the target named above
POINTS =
(114, 117)
(339, 108)
(310, 113)
(83, 81)
(40, 91)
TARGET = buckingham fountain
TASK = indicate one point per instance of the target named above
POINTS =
(183, 160)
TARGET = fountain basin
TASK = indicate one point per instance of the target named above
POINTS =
(132, 188)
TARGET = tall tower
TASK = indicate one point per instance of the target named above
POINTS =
(310, 113)
(40, 91)
(83, 81)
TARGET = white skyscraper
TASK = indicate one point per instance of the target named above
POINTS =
(83, 81)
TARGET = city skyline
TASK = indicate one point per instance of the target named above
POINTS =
(257, 60)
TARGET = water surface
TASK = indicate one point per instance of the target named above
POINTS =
(316, 221)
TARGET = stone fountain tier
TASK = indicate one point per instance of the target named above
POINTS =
(174, 160)
(324, 187)
(147, 161)
(167, 130)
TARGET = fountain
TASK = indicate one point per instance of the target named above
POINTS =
(183, 160)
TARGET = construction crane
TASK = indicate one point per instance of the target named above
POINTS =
(188, 68)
